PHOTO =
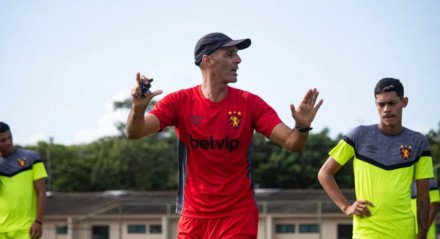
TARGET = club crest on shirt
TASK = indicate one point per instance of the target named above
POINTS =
(234, 118)
(22, 162)
(405, 151)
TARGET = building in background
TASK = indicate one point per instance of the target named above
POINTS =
(298, 214)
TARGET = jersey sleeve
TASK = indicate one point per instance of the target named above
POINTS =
(39, 171)
(165, 110)
(265, 117)
(434, 195)
(423, 167)
(344, 150)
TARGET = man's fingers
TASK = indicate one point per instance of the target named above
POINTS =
(34, 233)
(315, 95)
(138, 78)
(319, 104)
(368, 203)
(362, 208)
(311, 97)
(155, 93)
(292, 108)
(307, 97)
(367, 212)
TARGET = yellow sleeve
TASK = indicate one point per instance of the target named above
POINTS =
(39, 171)
(342, 152)
(423, 168)
(434, 195)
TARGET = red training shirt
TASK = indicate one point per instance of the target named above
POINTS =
(215, 148)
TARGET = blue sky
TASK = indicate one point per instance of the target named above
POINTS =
(63, 63)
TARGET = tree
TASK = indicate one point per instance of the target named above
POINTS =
(434, 142)
(112, 163)
(150, 163)
(123, 105)
(69, 168)
(278, 168)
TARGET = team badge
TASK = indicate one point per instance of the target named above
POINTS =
(22, 162)
(234, 118)
(405, 151)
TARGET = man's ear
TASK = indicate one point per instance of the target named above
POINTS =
(206, 59)
(405, 101)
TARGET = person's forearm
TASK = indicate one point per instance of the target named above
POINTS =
(432, 213)
(330, 186)
(40, 188)
(423, 216)
(41, 206)
(296, 141)
(135, 123)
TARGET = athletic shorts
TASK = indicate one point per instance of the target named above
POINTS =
(23, 234)
(242, 225)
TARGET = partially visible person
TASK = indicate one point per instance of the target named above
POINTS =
(22, 190)
(387, 157)
(434, 198)
(215, 124)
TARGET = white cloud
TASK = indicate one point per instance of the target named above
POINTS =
(105, 124)
(30, 139)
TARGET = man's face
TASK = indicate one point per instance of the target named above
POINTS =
(390, 107)
(225, 63)
(6, 145)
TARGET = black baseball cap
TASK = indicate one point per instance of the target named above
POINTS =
(213, 41)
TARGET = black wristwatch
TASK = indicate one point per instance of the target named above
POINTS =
(303, 130)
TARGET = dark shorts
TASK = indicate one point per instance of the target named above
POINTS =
(242, 225)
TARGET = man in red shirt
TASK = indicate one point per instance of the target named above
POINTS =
(215, 124)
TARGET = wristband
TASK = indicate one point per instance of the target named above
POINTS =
(38, 222)
(304, 130)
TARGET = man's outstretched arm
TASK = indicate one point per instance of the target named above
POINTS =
(295, 139)
(140, 124)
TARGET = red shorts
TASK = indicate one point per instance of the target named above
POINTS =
(242, 225)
